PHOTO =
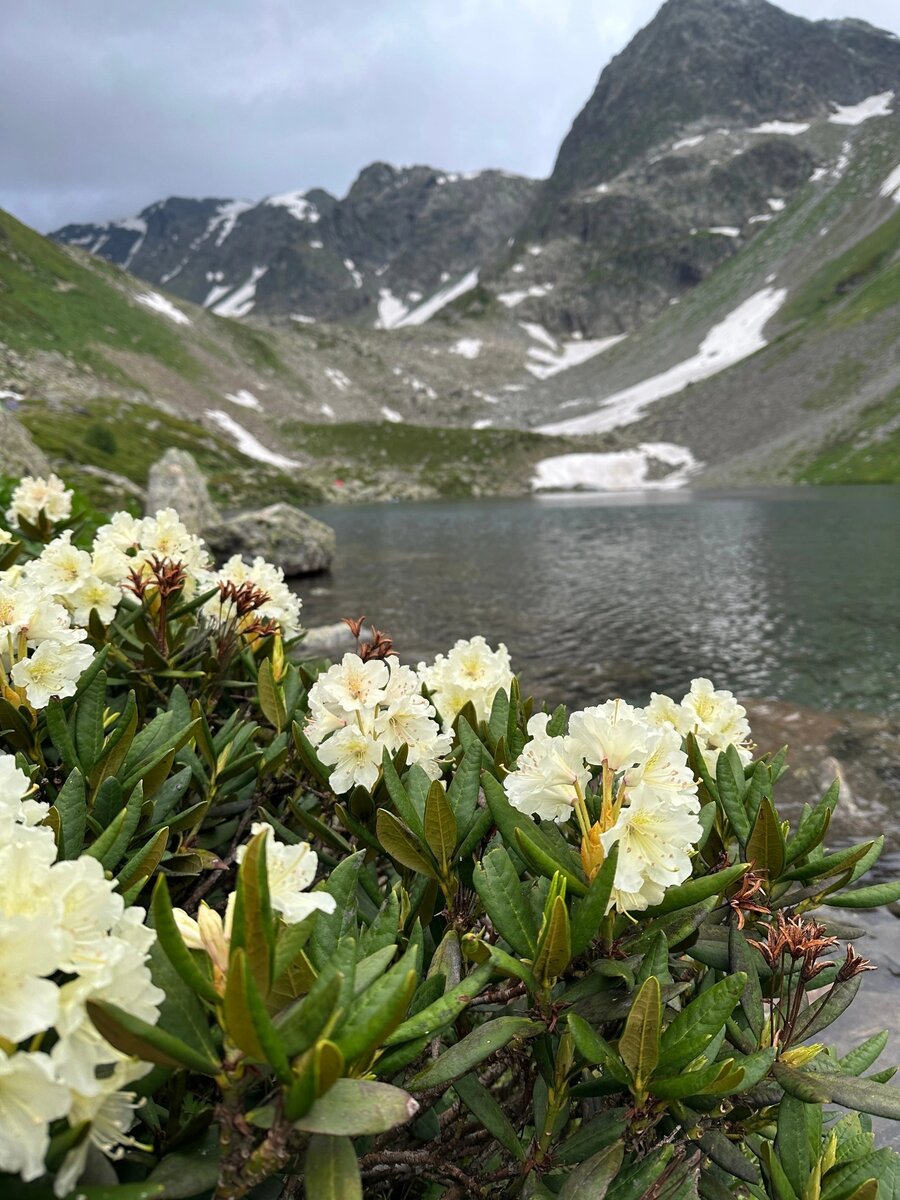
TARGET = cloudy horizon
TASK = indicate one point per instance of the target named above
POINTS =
(254, 97)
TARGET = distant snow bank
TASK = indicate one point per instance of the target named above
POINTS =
(570, 354)
(247, 443)
(855, 114)
(244, 399)
(435, 303)
(891, 186)
(165, 308)
(467, 347)
(738, 336)
(242, 299)
(616, 471)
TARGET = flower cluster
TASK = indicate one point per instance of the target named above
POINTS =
(290, 870)
(33, 496)
(66, 937)
(471, 672)
(712, 715)
(646, 803)
(358, 709)
(251, 593)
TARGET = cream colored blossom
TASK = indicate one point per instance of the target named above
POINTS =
(53, 670)
(34, 495)
(470, 672)
(30, 1098)
(549, 776)
(290, 869)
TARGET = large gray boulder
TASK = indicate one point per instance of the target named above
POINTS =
(18, 454)
(284, 535)
(177, 482)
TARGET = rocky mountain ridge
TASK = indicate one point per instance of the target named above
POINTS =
(714, 115)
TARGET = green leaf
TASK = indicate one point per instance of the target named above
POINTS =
(695, 891)
(190, 1171)
(730, 787)
(113, 841)
(765, 846)
(497, 883)
(131, 1035)
(138, 869)
(865, 1054)
(867, 897)
(271, 696)
(329, 928)
(780, 1185)
(172, 943)
(594, 1048)
(590, 911)
(821, 1087)
(253, 925)
(826, 1010)
(89, 722)
(639, 1045)
(355, 1107)
(554, 944)
(709, 1080)
(463, 791)
(71, 804)
(695, 1026)
(400, 843)
(181, 1012)
(741, 960)
(58, 728)
(381, 1007)
(547, 863)
(593, 1177)
(330, 1169)
(474, 1048)
(440, 826)
(592, 1136)
(482, 1105)
(302, 1022)
(443, 1011)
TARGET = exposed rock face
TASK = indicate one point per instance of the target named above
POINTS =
(176, 482)
(18, 454)
(401, 232)
(284, 535)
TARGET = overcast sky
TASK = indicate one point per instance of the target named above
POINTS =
(108, 105)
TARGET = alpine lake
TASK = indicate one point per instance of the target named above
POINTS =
(788, 597)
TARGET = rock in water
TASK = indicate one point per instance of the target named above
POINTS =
(18, 454)
(284, 535)
(177, 482)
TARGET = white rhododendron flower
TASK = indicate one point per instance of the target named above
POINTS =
(60, 568)
(53, 670)
(128, 544)
(711, 714)
(66, 937)
(291, 869)
(359, 709)
(471, 671)
(30, 1098)
(281, 604)
(34, 495)
(550, 774)
(644, 790)
(5, 537)
(656, 840)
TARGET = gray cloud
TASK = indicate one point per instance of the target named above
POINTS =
(105, 107)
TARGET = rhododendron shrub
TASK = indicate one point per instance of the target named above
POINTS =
(273, 927)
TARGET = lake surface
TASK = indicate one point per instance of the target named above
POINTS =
(788, 594)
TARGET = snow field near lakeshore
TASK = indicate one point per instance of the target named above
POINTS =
(616, 471)
(735, 338)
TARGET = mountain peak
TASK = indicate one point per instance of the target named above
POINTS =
(732, 60)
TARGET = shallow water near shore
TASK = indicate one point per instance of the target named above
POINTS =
(789, 594)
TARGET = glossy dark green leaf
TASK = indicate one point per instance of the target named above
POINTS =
(330, 1169)
(696, 1025)
(354, 1107)
(497, 883)
(131, 1035)
(473, 1049)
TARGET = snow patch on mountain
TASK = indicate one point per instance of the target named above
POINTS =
(512, 299)
(247, 443)
(350, 266)
(225, 219)
(855, 114)
(571, 354)
(731, 231)
(391, 414)
(467, 347)
(736, 337)
(788, 128)
(435, 303)
(685, 143)
(296, 204)
(891, 186)
(391, 309)
(244, 399)
(241, 301)
(539, 333)
(616, 471)
(165, 308)
(338, 378)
